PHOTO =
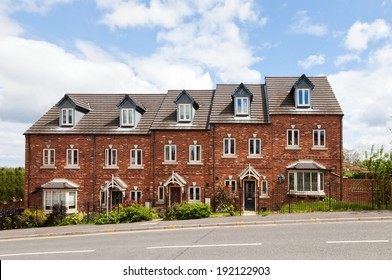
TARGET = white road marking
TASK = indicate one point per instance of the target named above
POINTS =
(357, 241)
(203, 246)
(46, 253)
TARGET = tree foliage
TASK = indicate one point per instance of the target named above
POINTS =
(11, 183)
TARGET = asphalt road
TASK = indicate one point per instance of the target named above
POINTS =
(350, 240)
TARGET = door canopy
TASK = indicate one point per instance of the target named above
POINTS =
(175, 178)
(249, 172)
(115, 183)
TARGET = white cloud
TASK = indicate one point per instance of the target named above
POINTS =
(34, 6)
(132, 13)
(367, 103)
(311, 61)
(344, 59)
(302, 25)
(361, 34)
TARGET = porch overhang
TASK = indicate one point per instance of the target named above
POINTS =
(60, 183)
(249, 172)
(115, 183)
(303, 164)
(175, 178)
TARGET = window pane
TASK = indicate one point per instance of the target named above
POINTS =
(173, 153)
(70, 120)
(245, 105)
(321, 176)
(314, 181)
(300, 181)
(307, 181)
(306, 97)
(232, 146)
(300, 97)
(197, 193)
(291, 181)
(239, 105)
(296, 137)
(322, 138)
(264, 188)
(191, 197)
(226, 146)
(72, 200)
(48, 200)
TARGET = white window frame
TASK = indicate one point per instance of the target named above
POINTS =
(319, 138)
(136, 158)
(194, 194)
(184, 112)
(170, 153)
(264, 188)
(232, 184)
(72, 156)
(303, 97)
(231, 147)
(136, 196)
(242, 106)
(67, 116)
(111, 157)
(127, 117)
(291, 136)
(297, 182)
(52, 197)
(161, 193)
(195, 154)
(49, 157)
(253, 145)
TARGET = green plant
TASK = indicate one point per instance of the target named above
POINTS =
(34, 218)
(187, 211)
(224, 200)
(75, 219)
(57, 215)
(135, 213)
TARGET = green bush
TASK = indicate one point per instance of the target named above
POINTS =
(187, 211)
(34, 218)
(130, 214)
(57, 215)
(224, 200)
(75, 219)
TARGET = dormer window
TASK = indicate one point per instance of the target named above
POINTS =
(302, 91)
(186, 107)
(130, 112)
(71, 110)
(242, 106)
(184, 114)
(127, 117)
(303, 97)
(67, 117)
(242, 99)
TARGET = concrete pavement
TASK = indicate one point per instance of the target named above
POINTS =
(247, 219)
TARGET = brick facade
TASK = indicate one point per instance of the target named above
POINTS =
(160, 182)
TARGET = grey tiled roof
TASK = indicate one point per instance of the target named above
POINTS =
(281, 101)
(103, 117)
(167, 115)
(223, 107)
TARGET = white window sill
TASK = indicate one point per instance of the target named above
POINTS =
(293, 148)
(170, 162)
(111, 167)
(264, 196)
(307, 193)
(255, 157)
(194, 201)
(76, 167)
(48, 167)
(319, 149)
(195, 163)
(136, 167)
(229, 156)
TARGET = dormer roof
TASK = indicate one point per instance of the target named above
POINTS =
(74, 102)
(302, 82)
(242, 91)
(185, 98)
(130, 102)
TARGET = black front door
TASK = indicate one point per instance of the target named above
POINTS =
(250, 193)
(117, 197)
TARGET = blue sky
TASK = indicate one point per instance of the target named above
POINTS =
(51, 47)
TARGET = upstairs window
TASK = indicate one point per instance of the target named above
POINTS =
(110, 157)
(67, 117)
(242, 106)
(229, 147)
(292, 138)
(195, 153)
(303, 97)
(170, 153)
(184, 114)
(319, 138)
(254, 147)
(72, 157)
(136, 157)
(48, 157)
(127, 117)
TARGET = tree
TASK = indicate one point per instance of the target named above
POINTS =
(379, 164)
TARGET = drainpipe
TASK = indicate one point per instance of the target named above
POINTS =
(341, 158)
(94, 168)
(153, 168)
(27, 167)
(213, 166)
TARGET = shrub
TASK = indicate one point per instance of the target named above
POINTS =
(135, 213)
(57, 216)
(74, 219)
(187, 211)
(224, 200)
(34, 218)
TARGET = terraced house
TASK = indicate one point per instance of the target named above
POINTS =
(265, 142)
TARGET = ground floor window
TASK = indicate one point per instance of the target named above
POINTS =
(264, 188)
(161, 193)
(65, 198)
(306, 181)
(136, 196)
(194, 194)
(232, 184)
